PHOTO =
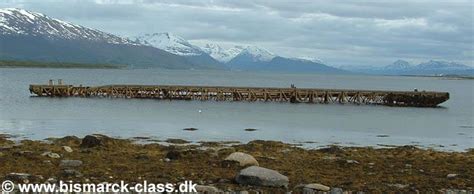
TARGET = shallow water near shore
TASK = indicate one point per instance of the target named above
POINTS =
(447, 128)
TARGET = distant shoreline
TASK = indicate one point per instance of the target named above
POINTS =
(59, 65)
(454, 77)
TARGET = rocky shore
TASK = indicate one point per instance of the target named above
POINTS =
(258, 166)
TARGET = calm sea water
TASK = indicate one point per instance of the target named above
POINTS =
(447, 128)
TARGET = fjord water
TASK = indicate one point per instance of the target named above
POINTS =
(446, 128)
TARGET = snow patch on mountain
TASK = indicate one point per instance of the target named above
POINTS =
(221, 54)
(399, 65)
(170, 43)
(257, 53)
(14, 21)
(310, 59)
(432, 64)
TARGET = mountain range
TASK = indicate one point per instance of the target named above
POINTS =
(240, 58)
(32, 36)
(26, 35)
(401, 67)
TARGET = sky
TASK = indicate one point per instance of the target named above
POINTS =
(340, 33)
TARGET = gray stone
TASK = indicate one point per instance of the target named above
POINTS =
(91, 141)
(174, 155)
(242, 158)
(259, 176)
(19, 177)
(70, 163)
(336, 191)
(352, 162)
(51, 155)
(317, 186)
(54, 155)
(398, 185)
(23, 153)
(450, 176)
(206, 189)
(71, 173)
(67, 149)
(167, 160)
(52, 180)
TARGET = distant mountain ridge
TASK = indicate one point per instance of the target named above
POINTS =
(179, 46)
(240, 58)
(221, 54)
(432, 67)
(31, 36)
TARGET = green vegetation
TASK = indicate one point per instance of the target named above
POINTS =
(36, 64)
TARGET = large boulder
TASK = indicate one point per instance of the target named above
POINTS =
(260, 176)
(91, 141)
(242, 158)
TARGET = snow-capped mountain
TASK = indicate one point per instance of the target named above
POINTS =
(256, 54)
(220, 54)
(27, 35)
(15, 21)
(399, 65)
(253, 58)
(432, 64)
(179, 46)
(312, 59)
(170, 43)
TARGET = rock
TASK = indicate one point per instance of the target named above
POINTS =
(332, 150)
(398, 185)
(52, 180)
(142, 156)
(18, 177)
(450, 176)
(173, 155)
(250, 129)
(23, 153)
(206, 189)
(190, 129)
(408, 165)
(70, 163)
(51, 155)
(317, 186)
(167, 160)
(336, 191)
(352, 162)
(260, 176)
(67, 149)
(177, 141)
(71, 173)
(242, 158)
(222, 180)
(91, 141)
(6, 147)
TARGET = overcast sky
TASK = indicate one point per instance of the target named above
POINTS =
(338, 32)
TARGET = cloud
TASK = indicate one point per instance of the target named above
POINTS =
(338, 32)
